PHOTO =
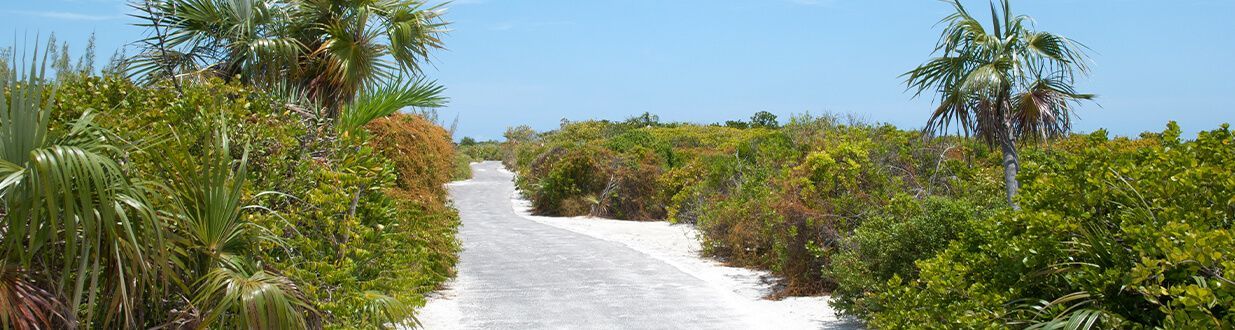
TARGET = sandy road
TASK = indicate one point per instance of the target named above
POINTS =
(519, 273)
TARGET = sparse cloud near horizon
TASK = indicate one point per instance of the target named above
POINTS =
(63, 15)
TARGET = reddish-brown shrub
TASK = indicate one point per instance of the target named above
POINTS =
(422, 154)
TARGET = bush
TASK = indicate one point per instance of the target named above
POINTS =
(1114, 233)
(470, 151)
(568, 180)
(783, 199)
(478, 151)
(906, 231)
(421, 151)
(364, 232)
(888, 245)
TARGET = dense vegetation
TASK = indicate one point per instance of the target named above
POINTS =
(249, 168)
(227, 201)
(909, 231)
(902, 229)
(780, 198)
(469, 151)
(209, 183)
(1116, 233)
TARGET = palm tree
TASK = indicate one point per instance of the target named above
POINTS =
(231, 290)
(1004, 85)
(329, 50)
(81, 245)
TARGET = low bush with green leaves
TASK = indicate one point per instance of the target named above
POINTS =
(782, 198)
(908, 231)
(1114, 233)
(469, 151)
(237, 212)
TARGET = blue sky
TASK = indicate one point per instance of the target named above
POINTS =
(535, 62)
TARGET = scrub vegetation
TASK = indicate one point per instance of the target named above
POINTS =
(247, 170)
(901, 229)
(1015, 223)
(470, 151)
(278, 165)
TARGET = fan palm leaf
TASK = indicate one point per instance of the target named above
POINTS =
(387, 310)
(232, 292)
(25, 305)
(389, 98)
(331, 49)
(237, 295)
(1045, 110)
(71, 211)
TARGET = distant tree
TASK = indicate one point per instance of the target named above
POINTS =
(467, 141)
(737, 124)
(522, 133)
(764, 119)
(646, 119)
(1003, 85)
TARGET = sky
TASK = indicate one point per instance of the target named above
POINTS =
(536, 62)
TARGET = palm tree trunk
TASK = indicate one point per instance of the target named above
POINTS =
(1011, 165)
(1007, 144)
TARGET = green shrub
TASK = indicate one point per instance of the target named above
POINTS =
(889, 244)
(568, 179)
(462, 169)
(1113, 233)
(478, 151)
(362, 231)
(469, 151)
(783, 199)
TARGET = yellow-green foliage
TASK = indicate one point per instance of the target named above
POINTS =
(362, 227)
(1114, 233)
(783, 199)
(909, 232)
(469, 151)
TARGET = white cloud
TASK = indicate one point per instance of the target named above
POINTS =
(63, 15)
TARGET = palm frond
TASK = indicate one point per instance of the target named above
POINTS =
(390, 98)
(1067, 312)
(352, 58)
(25, 305)
(1045, 110)
(387, 310)
(207, 194)
(237, 294)
(414, 31)
(955, 111)
(70, 208)
(940, 72)
(986, 80)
